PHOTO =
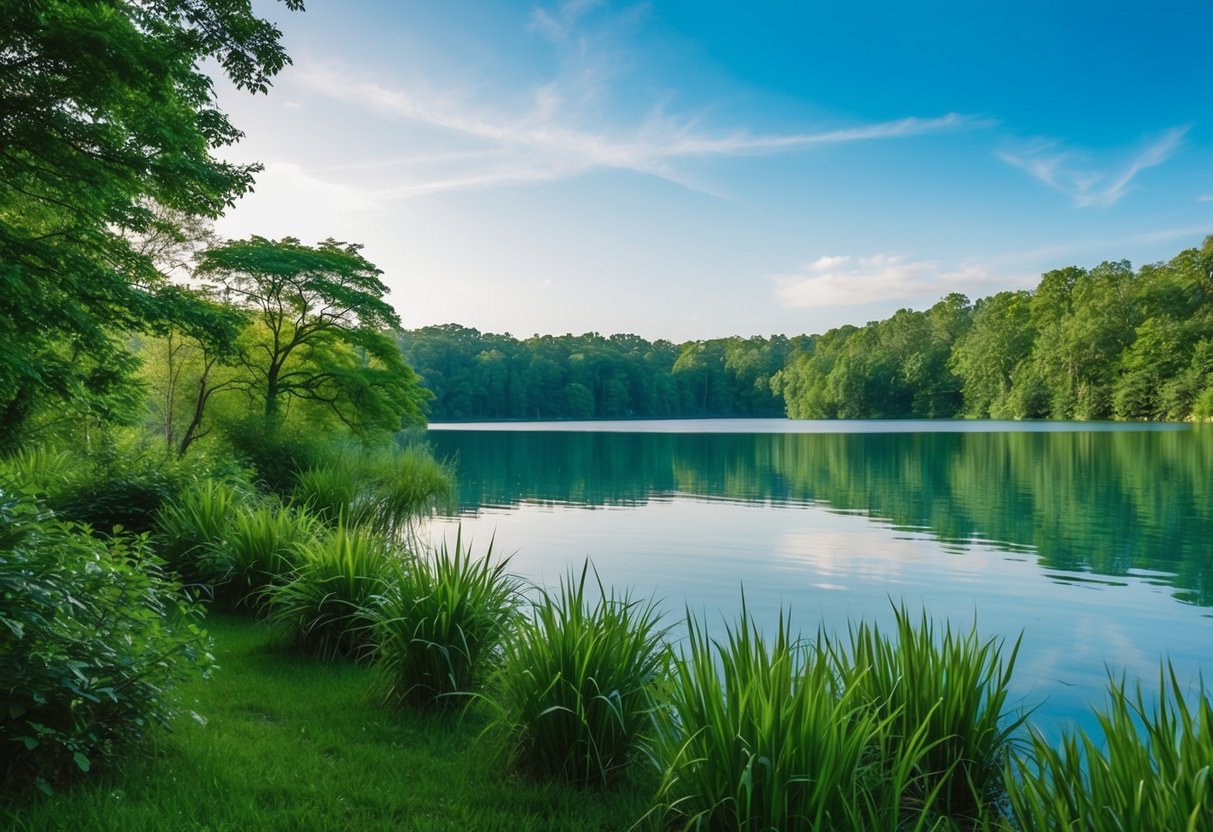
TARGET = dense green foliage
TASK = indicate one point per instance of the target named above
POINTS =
(573, 697)
(1104, 343)
(485, 376)
(318, 332)
(106, 111)
(92, 633)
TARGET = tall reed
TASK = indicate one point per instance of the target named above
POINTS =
(951, 689)
(761, 735)
(573, 695)
(385, 488)
(441, 623)
(261, 545)
(326, 605)
(1152, 772)
(191, 529)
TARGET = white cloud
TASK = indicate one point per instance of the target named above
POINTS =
(574, 120)
(557, 26)
(549, 141)
(1205, 198)
(1071, 172)
(843, 280)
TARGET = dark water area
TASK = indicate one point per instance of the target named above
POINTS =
(1093, 541)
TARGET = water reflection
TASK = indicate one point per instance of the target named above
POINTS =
(1095, 505)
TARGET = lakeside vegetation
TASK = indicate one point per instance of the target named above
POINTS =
(1101, 343)
(172, 451)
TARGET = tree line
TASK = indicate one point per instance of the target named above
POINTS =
(476, 375)
(1101, 343)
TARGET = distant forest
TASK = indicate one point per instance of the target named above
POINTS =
(1101, 343)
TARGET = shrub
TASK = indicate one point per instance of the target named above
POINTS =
(121, 482)
(951, 690)
(441, 619)
(1151, 772)
(326, 605)
(760, 736)
(277, 452)
(573, 694)
(92, 637)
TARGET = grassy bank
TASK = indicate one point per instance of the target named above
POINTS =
(293, 744)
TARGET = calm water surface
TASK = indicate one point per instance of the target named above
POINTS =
(1093, 540)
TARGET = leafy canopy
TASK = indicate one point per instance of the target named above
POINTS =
(105, 112)
(320, 330)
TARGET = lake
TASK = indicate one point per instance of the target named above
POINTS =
(1095, 541)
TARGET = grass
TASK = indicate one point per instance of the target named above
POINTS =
(1152, 771)
(574, 693)
(262, 545)
(189, 530)
(756, 736)
(440, 625)
(385, 489)
(325, 607)
(950, 690)
(289, 745)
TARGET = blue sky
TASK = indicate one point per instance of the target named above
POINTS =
(697, 169)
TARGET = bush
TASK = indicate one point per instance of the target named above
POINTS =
(760, 736)
(441, 619)
(573, 695)
(92, 637)
(276, 452)
(326, 607)
(1151, 772)
(951, 691)
(122, 482)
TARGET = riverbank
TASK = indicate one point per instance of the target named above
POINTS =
(292, 744)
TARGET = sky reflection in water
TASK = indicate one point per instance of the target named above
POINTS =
(1094, 541)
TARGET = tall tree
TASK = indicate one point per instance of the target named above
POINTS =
(104, 105)
(321, 330)
(986, 356)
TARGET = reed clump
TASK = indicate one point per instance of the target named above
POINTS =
(440, 624)
(574, 696)
(325, 607)
(1152, 771)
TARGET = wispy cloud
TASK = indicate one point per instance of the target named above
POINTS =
(581, 118)
(1205, 198)
(1074, 174)
(558, 24)
(843, 280)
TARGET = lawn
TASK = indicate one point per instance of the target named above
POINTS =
(289, 743)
